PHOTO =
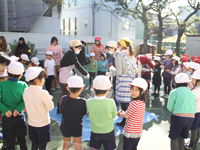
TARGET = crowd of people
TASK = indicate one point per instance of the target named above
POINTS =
(112, 66)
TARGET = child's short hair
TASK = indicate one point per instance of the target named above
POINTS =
(102, 55)
(176, 63)
(4, 60)
(99, 92)
(142, 96)
(40, 76)
(157, 61)
(181, 85)
(74, 90)
(13, 76)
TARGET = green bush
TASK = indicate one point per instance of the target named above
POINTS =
(31, 45)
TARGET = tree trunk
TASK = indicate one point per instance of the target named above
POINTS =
(160, 34)
(146, 30)
(178, 43)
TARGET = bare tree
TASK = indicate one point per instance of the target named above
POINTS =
(139, 11)
(184, 25)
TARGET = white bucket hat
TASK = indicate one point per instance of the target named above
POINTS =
(186, 64)
(75, 82)
(92, 54)
(176, 58)
(14, 58)
(168, 52)
(101, 83)
(139, 82)
(49, 53)
(111, 44)
(196, 75)
(32, 73)
(182, 78)
(196, 66)
(35, 60)
(157, 58)
(16, 68)
(24, 57)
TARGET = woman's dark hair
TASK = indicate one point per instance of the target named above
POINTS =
(99, 92)
(170, 56)
(4, 60)
(40, 76)
(130, 49)
(54, 39)
(13, 76)
(83, 42)
(142, 96)
(74, 90)
(181, 85)
(3, 45)
(102, 55)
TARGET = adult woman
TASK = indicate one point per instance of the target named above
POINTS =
(22, 48)
(98, 48)
(167, 77)
(67, 64)
(126, 70)
(4, 47)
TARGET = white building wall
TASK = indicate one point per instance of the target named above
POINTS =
(106, 25)
(193, 45)
(4, 15)
(50, 25)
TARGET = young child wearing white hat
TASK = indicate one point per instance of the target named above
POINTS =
(12, 105)
(38, 103)
(101, 113)
(34, 62)
(102, 65)
(93, 67)
(182, 104)
(195, 128)
(156, 77)
(23, 59)
(175, 69)
(73, 108)
(134, 114)
(50, 68)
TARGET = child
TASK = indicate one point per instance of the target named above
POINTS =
(93, 67)
(175, 69)
(101, 113)
(102, 65)
(4, 62)
(182, 104)
(195, 128)
(11, 105)
(186, 68)
(73, 108)
(34, 62)
(134, 114)
(156, 76)
(50, 68)
(38, 103)
(23, 59)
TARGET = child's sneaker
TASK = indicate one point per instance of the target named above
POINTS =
(153, 94)
(187, 147)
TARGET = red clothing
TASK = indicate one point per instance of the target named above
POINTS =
(145, 61)
(98, 50)
(134, 117)
(57, 53)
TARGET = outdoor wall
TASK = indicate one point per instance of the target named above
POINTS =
(4, 15)
(41, 41)
(193, 45)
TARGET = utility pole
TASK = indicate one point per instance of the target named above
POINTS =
(93, 17)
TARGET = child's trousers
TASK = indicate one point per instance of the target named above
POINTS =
(48, 83)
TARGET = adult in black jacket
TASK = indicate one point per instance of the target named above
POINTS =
(22, 48)
(67, 64)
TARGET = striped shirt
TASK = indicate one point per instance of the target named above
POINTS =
(134, 119)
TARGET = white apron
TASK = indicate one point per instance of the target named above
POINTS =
(65, 73)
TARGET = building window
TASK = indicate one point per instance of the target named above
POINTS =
(69, 33)
(75, 26)
(126, 24)
(85, 23)
(63, 26)
(69, 3)
(75, 2)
